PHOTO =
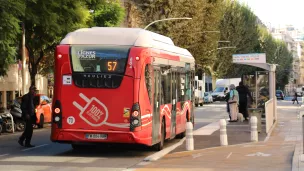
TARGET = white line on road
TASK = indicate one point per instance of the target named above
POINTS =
(229, 155)
(35, 147)
(208, 129)
(163, 152)
(2, 155)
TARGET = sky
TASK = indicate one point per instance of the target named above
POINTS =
(278, 13)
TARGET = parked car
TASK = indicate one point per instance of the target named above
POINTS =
(208, 97)
(280, 94)
(43, 109)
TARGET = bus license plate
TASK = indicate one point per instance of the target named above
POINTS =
(97, 136)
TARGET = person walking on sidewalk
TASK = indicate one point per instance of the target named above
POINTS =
(243, 93)
(233, 103)
(28, 114)
(295, 98)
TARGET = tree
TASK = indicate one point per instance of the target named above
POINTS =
(239, 26)
(195, 34)
(10, 11)
(46, 22)
(105, 13)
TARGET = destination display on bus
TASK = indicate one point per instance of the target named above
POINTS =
(99, 59)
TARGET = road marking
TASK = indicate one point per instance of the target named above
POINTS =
(252, 145)
(196, 155)
(35, 147)
(208, 129)
(143, 163)
(258, 154)
(229, 155)
(2, 155)
(163, 152)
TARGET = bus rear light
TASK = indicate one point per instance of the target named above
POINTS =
(135, 119)
(57, 110)
(135, 122)
(135, 114)
(57, 118)
(59, 56)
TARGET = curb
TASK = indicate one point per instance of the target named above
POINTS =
(297, 151)
(296, 157)
(211, 148)
(163, 152)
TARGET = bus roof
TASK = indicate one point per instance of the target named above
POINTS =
(124, 36)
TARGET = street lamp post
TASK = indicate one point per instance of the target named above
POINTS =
(167, 19)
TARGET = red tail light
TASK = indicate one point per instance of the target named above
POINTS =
(135, 119)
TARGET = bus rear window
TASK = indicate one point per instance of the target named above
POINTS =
(99, 59)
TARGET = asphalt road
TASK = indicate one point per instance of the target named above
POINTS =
(48, 156)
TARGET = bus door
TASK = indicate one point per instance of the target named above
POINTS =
(173, 111)
(156, 107)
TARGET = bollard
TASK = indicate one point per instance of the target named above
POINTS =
(189, 137)
(223, 132)
(254, 128)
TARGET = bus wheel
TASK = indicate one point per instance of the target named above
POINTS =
(159, 146)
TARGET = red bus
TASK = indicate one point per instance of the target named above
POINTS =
(121, 85)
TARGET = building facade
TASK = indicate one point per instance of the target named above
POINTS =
(11, 85)
(293, 38)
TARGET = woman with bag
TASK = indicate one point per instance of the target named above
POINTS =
(233, 103)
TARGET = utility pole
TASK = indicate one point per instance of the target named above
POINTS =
(23, 60)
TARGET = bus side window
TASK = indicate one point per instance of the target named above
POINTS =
(178, 87)
(182, 86)
(148, 80)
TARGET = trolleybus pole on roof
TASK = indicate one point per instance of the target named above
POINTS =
(184, 18)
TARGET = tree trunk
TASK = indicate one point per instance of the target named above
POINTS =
(33, 67)
(33, 74)
(213, 81)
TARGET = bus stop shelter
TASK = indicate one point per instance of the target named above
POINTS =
(259, 60)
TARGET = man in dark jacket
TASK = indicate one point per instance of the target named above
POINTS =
(243, 92)
(28, 114)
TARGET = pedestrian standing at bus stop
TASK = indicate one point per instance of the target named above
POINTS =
(233, 103)
(243, 93)
(29, 116)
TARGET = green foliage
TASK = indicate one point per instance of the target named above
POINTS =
(192, 34)
(46, 22)
(239, 26)
(105, 13)
(10, 11)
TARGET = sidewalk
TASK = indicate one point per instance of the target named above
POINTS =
(298, 157)
(237, 132)
(274, 154)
